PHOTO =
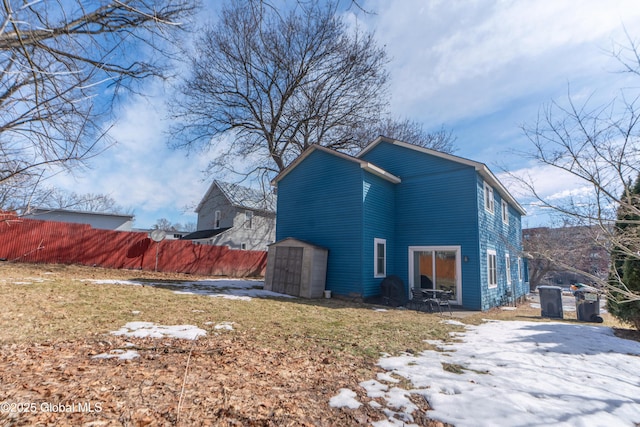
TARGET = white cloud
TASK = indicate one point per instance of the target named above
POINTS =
(452, 60)
(140, 171)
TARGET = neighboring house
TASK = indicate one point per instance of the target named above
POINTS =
(104, 221)
(235, 216)
(430, 218)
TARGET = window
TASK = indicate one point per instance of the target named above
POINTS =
(216, 220)
(243, 246)
(507, 263)
(505, 212)
(488, 198)
(248, 219)
(519, 270)
(492, 270)
(380, 257)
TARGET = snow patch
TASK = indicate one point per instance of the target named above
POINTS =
(151, 330)
(345, 399)
(120, 354)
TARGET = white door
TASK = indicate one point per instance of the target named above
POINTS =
(436, 267)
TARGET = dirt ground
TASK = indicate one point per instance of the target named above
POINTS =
(224, 379)
(216, 381)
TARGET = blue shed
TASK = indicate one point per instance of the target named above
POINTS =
(431, 218)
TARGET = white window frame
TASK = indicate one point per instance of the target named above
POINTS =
(507, 264)
(519, 269)
(243, 246)
(489, 202)
(217, 216)
(376, 272)
(492, 268)
(248, 219)
(504, 207)
(456, 249)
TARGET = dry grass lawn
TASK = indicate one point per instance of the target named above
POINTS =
(280, 365)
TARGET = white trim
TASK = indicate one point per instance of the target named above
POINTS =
(504, 211)
(363, 164)
(376, 272)
(217, 217)
(507, 265)
(492, 284)
(456, 249)
(481, 168)
(248, 219)
(519, 269)
(488, 198)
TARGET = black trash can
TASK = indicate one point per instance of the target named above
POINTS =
(551, 301)
(588, 305)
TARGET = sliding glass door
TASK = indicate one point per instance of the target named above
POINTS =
(436, 267)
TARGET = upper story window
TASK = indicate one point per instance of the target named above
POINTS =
(488, 198)
(505, 212)
(380, 257)
(248, 219)
(216, 219)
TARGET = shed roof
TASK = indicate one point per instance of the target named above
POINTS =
(288, 240)
(481, 168)
(369, 167)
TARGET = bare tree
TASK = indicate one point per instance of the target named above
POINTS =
(412, 132)
(564, 254)
(62, 65)
(164, 224)
(57, 199)
(278, 81)
(600, 146)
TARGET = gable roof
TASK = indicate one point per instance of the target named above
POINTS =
(241, 197)
(369, 167)
(481, 168)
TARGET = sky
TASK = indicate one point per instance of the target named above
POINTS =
(515, 373)
(482, 69)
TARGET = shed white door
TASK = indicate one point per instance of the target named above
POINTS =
(287, 272)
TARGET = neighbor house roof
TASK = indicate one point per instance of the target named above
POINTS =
(41, 211)
(242, 197)
(369, 167)
(204, 234)
(481, 168)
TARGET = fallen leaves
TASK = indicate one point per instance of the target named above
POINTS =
(230, 381)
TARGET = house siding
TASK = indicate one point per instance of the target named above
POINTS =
(504, 239)
(378, 200)
(216, 201)
(435, 205)
(321, 203)
(256, 238)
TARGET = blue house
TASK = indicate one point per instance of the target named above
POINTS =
(433, 219)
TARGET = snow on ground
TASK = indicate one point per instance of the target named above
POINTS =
(236, 289)
(345, 398)
(118, 353)
(151, 330)
(516, 373)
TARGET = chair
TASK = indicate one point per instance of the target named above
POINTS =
(418, 299)
(442, 300)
